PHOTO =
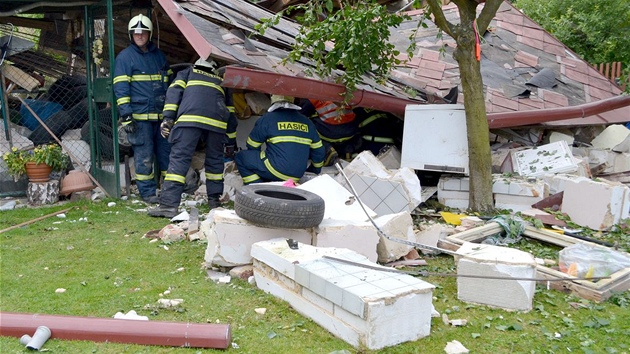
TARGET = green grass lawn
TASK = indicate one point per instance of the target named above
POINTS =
(97, 253)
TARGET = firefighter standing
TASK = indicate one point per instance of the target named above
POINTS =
(291, 140)
(141, 78)
(197, 109)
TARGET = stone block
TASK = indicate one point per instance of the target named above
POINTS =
(365, 307)
(453, 199)
(565, 135)
(399, 226)
(556, 182)
(384, 191)
(430, 235)
(530, 187)
(230, 237)
(596, 204)
(515, 203)
(360, 237)
(550, 158)
(615, 137)
(390, 158)
(621, 163)
(41, 193)
(496, 262)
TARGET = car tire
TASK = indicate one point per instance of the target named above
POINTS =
(279, 206)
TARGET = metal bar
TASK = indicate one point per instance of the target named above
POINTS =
(378, 229)
(430, 274)
(112, 57)
(34, 220)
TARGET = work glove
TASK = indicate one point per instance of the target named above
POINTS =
(228, 152)
(128, 124)
(165, 127)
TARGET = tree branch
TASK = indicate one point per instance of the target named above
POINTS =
(439, 19)
(487, 14)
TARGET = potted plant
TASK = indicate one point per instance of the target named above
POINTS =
(36, 163)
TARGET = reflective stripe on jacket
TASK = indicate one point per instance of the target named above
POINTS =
(331, 113)
(291, 140)
(197, 99)
(140, 82)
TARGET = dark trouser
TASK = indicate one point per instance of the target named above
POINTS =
(252, 168)
(147, 142)
(184, 140)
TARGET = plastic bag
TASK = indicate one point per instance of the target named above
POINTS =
(585, 260)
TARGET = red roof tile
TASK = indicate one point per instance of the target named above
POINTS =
(517, 42)
(517, 29)
(534, 43)
(553, 97)
(432, 65)
(526, 58)
(428, 73)
(576, 75)
(498, 100)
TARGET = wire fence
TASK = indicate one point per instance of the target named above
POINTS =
(45, 96)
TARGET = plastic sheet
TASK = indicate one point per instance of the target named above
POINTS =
(586, 260)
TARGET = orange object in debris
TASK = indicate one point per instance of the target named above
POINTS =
(573, 270)
(477, 51)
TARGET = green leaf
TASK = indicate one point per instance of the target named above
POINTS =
(515, 327)
(475, 335)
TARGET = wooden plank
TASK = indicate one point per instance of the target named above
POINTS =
(43, 24)
(34, 220)
(19, 77)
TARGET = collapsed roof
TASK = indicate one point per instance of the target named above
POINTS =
(525, 69)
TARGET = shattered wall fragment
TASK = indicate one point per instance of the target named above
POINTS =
(365, 307)
(501, 262)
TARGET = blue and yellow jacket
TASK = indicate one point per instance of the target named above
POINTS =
(291, 140)
(140, 82)
(197, 99)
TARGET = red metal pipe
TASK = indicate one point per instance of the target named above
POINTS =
(281, 84)
(176, 334)
(276, 83)
(519, 118)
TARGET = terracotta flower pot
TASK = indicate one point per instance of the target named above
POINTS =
(38, 172)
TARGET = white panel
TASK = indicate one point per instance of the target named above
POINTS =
(435, 138)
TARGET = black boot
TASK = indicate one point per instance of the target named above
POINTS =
(163, 211)
(213, 201)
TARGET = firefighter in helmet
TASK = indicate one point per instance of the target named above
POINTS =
(141, 78)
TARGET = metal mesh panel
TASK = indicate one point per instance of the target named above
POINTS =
(46, 90)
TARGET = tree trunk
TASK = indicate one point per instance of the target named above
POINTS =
(480, 159)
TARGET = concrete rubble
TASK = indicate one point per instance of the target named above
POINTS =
(595, 170)
(365, 307)
(500, 262)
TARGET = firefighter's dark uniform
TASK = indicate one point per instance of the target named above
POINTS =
(202, 111)
(378, 129)
(140, 83)
(291, 140)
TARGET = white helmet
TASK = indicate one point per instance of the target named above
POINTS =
(138, 24)
(208, 64)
